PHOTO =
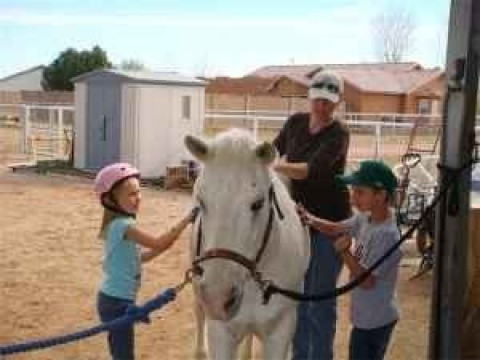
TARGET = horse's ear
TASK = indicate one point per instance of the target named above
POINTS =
(265, 152)
(197, 147)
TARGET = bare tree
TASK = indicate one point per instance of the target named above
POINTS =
(393, 34)
(131, 65)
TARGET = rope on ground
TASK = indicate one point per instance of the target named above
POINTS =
(133, 314)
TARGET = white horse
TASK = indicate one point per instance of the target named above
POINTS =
(240, 233)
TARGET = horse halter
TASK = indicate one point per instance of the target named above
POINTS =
(249, 264)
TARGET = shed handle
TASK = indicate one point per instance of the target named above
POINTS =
(104, 132)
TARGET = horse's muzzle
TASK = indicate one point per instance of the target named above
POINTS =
(221, 306)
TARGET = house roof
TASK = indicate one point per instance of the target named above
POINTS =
(252, 85)
(163, 78)
(393, 78)
(26, 71)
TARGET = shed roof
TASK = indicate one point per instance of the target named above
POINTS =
(149, 77)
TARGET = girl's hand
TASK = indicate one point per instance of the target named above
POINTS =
(193, 214)
(342, 243)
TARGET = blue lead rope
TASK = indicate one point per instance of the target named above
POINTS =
(133, 314)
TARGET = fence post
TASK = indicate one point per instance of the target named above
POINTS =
(51, 134)
(378, 138)
(61, 134)
(255, 128)
(26, 128)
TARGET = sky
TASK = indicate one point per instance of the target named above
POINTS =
(213, 37)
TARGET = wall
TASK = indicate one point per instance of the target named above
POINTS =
(352, 99)
(433, 90)
(160, 126)
(379, 103)
(219, 102)
(154, 119)
(181, 126)
(287, 87)
(80, 125)
(129, 134)
(28, 81)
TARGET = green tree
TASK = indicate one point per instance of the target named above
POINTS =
(71, 63)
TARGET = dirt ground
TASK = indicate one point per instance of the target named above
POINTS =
(50, 268)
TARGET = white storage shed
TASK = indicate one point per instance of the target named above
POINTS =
(136, 117)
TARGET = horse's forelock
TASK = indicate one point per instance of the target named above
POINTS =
(233, 144)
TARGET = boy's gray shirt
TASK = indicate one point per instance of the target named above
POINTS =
(377, 306)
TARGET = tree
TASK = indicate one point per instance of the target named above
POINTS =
(71, 63)
(393, 34)
(131, 65)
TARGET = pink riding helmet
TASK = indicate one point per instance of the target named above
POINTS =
(112, 175)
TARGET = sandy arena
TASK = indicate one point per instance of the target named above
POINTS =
(50, 268)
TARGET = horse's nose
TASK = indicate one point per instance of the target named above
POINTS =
(232, 300)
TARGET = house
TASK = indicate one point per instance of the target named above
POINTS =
(369, 88)
(29, 79)
(254, 93)
(137, 117)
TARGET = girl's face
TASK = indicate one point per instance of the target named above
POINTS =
(366, 199)
(128, 195)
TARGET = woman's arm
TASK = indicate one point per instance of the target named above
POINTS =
(296, 171)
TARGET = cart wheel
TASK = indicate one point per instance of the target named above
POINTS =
(425, 237)
(425, 246)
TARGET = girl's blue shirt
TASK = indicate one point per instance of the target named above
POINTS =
(121, 261)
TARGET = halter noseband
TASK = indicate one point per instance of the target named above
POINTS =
(250, 265)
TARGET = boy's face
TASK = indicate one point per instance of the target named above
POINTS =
(366, 199)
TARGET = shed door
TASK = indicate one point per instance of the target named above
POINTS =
(103, 116)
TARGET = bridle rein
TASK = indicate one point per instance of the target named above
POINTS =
(249, 264)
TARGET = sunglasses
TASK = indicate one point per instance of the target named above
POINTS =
(329, 87)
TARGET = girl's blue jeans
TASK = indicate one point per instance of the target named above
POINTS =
(316, 323)
(120, 341)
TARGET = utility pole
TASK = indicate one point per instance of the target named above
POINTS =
(452, 214)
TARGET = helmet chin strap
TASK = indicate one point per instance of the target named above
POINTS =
(116, 208)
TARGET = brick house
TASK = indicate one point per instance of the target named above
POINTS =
(369, 88)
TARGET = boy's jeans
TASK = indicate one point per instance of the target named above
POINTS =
(316, 323)
(121, 340)
(370, 344)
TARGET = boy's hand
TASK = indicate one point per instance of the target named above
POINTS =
(342, 243)
(304, 215)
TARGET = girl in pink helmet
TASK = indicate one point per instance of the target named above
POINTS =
(118, 188)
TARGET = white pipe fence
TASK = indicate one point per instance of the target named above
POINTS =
(379, 135)
(399, 124)
(46, 130)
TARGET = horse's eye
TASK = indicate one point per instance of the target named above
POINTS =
(257, 204)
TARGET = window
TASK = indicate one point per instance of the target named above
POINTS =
(425, 106)
(186, 107)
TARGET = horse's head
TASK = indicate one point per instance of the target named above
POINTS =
(234, 192)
